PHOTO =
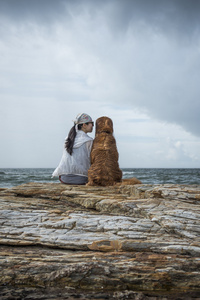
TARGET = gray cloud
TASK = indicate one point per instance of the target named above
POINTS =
(161, 74)
(179, 18)
(43, 11)
(181, 15)
(60, 54)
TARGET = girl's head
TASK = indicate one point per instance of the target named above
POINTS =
(82, 118)
(83, 122)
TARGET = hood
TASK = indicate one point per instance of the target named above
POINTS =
(81, 138)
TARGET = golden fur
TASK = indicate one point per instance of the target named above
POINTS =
(104, 170)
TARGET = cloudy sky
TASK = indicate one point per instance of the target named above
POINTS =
(135, 61)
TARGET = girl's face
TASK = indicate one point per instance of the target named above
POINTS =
(88, 127)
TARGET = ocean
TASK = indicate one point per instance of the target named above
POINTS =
(13, 177)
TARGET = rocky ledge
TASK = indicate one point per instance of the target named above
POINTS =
(121, 242)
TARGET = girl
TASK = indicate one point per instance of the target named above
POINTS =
(75, 161)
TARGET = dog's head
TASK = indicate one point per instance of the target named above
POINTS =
(104, 124)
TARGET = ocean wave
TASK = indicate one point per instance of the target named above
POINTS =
(128, 172)
(13, 177)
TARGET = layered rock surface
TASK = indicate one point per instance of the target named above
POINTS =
(121, 242)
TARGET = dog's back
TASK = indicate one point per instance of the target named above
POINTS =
(104, 168)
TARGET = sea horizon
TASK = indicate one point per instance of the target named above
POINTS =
(10, 177)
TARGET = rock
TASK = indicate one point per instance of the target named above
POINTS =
(119, 242)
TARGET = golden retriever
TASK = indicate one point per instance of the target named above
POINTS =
(104, 170)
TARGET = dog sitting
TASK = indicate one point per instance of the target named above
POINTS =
(104, 170)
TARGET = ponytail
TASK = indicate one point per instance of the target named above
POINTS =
(69, 143)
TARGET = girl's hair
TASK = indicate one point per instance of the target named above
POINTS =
(69, 143)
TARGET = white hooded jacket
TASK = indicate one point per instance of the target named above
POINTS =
(79, 162)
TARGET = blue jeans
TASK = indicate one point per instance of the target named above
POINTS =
(73, 179)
